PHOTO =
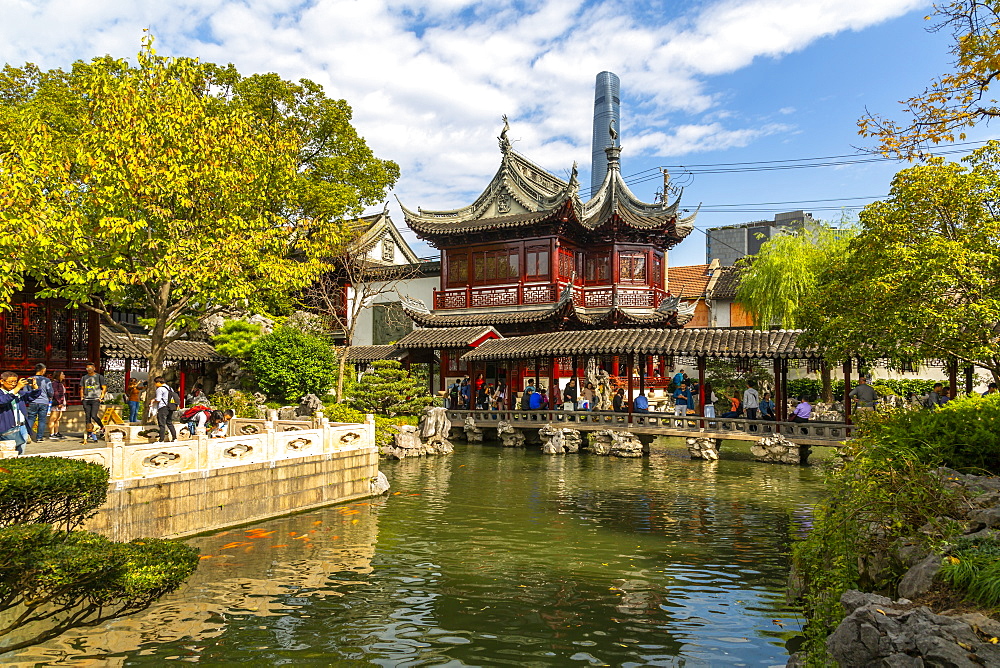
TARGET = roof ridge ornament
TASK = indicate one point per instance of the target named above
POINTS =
(504, 142)
(413, 304)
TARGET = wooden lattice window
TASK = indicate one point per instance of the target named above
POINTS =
(566, 264)
(458, 269)
(631, 267)
(657, 270)
(597, 268)
(536, 263)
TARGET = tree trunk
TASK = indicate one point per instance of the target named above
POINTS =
(342, 363)
(827, 380)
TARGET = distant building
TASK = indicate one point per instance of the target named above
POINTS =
(732, 242)
(694, 285)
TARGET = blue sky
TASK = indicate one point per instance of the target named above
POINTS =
(706, 81)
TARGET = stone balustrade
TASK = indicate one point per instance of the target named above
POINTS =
(129, 454)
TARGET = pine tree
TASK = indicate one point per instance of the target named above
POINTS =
(389, 389)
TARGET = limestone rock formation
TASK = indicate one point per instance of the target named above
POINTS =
(509, 436)
(406, 443)
(288, 413)
(434, 430)
(473, 434)
(881, 632)
(379, 484)
(614, 443)
(776, 449)
(308, 405)
(703, 447)
(559, 440)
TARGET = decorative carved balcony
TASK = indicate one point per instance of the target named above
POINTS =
(530, 294)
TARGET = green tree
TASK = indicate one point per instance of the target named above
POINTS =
(957, 100)
(388, 389)
(236, 338)
(922, 277)
(176, 187)
(288, 364)
(53, 580)
(778, 284)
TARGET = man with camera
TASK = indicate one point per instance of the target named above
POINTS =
(14, 396)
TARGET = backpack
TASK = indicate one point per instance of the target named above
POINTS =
(192, 412)
(173, 399)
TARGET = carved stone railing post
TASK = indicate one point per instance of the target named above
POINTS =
(370, 429)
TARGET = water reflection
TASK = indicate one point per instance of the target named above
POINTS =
(493, 557)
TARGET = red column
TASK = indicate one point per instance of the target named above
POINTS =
(180, 390)
(953, 376)
(629, 363)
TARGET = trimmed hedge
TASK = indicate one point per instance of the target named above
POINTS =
(811, 387)
(50, 490)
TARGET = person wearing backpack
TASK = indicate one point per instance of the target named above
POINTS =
(166, 402)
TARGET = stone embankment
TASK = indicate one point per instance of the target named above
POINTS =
(880, 631)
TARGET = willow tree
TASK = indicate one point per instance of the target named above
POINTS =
(922, 277)
(957, 100)
(177, 188)
(778, 285)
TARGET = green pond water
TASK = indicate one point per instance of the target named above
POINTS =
(493, 557)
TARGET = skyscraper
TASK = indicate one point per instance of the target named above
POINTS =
(607, 108)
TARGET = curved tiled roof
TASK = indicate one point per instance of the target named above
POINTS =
(116, 345)
(444, 338)
(357, 354)
(719, 343)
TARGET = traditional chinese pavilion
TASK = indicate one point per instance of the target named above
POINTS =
(529, 256)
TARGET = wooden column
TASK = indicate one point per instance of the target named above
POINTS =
(430, 374)
(953, 375)
(642, 374)
(128, 374)
(847, 391)
(968, 379)
(552, 382)
(784, 389)
(183, 382)
(701, 387)
(629, 363)
(778, 398)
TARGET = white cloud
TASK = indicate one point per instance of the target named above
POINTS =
(429, 79)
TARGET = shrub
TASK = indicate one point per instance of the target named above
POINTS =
(963, 434)
(887, 492)
(236, 338)
(389, 389)
(973, 568)
(288, 364)
(50, 490)
(55, 580)
(242, 404)
(385, 428)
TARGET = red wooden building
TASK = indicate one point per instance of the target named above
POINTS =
(529, 256)
(37, 330)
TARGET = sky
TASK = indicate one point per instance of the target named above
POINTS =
(703, 82)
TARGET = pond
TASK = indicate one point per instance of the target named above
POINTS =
(493, 557)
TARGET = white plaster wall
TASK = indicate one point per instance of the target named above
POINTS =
(720, 313)
(414, 288)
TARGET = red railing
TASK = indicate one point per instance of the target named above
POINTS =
(546, 293)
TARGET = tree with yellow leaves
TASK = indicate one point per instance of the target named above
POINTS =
(175, 187)
(957, 100)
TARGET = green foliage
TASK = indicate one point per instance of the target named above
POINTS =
(725, 377)
(973, 568)
(964, 434)
(921, 280)
(50, 490)
(811, 387)
(388, 389)
(385, 428)
(777, 283)
(52, 580)
(242, 404)
(288, 364)
(887, 492)
(236, 338)
(176, 186)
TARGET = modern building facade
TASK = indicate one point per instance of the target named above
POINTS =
(607, 116)
(730, 243)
